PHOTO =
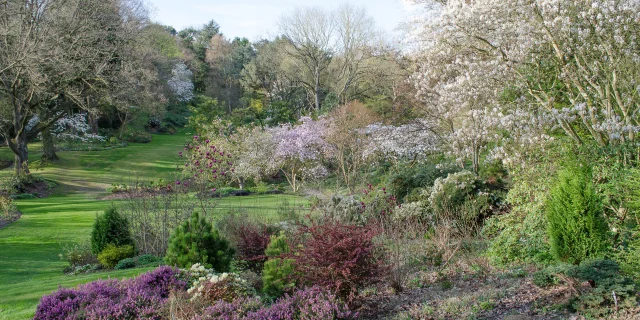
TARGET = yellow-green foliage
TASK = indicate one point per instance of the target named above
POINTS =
(577, 227)
(6, 205)
(110, 256)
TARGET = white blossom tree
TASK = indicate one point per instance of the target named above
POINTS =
(181, 82)
(567, 65)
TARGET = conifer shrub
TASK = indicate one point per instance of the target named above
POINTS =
(278, 270)
(195, 241)
(110, 228)
(576, 225)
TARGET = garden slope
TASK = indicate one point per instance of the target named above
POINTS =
(29, 248)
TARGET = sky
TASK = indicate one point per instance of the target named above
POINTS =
(257, 19)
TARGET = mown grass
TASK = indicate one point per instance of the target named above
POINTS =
(29, 248)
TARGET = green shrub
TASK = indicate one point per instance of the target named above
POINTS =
(137, 136)
(344, 208)
(6, 206)
(546, 277)
(24, 196)
(195, 241)
(110, 256)
(126, 263)
(110, 228)
(577, 227)
(77, 254)
(405, 179)
(277, 271)
(606, 280)
(519, 236)
(458, 200)
(147, 259)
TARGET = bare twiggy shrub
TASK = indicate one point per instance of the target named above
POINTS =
(153, 215)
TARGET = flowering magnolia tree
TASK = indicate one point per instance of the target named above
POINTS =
(252, 150)
(569, 66)
(181, 82)
(299, 150)
(207, 166)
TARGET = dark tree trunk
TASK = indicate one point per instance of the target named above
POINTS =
(317, 90)
(19, 147)
(48, 147)
(18, 143)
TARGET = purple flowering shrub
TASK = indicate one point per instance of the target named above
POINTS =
(311, 303)
(138, 298)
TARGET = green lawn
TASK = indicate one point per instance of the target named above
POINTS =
(29, 248)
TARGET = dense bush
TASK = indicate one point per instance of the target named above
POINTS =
(195, 241)
(577, 227)
(6, 206)
(311, 303)
(141, 297)
(25, 184)
(226, 286)
(277, 275)
(519, 236)
(147, 259)
(347, 209)
(137, 136)
(248, 237)
(78, 254)
(126, 263)
(459, 200)
(111, 255)
(110, 228)
(343, 258)
(609, 288)
(407, 180)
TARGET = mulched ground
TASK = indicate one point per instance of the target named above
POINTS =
(6, 220)
(462, 296)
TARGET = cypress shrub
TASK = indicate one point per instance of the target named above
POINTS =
(576, 225)
(195, 241)
(110, 228)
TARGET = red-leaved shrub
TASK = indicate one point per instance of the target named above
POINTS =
(249, 238)
(252, 240)
(343, 258)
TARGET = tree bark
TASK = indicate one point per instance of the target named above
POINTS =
(19, 147)
(48, 147)
(317, 89)
(18, 143)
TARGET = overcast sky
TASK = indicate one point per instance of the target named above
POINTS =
(256, 19)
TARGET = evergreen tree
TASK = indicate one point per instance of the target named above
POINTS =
(576, 225)
(195, 241)
(110, 228)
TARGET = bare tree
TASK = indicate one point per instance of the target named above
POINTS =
(310, 31)
(356, 36)
(53, 55)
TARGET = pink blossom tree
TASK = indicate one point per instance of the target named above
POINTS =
(299, 150)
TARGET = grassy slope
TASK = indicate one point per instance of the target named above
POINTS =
(29, 263)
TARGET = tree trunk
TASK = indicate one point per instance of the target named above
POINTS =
(19, 147)
(317, 90)
(18, 143)
(48, 147)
